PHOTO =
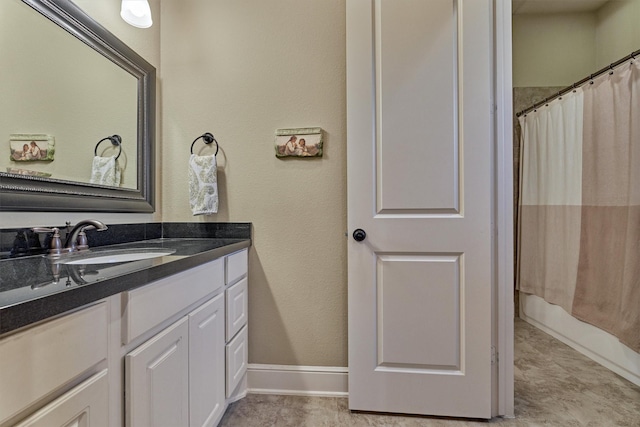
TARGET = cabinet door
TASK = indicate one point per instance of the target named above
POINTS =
(237, 307)
(206, 363)
(156, 379)
(237, 360)
(86, 405)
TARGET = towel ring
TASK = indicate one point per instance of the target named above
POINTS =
(116, 141)
(208, 138)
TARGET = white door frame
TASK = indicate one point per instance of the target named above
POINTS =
(504, 207)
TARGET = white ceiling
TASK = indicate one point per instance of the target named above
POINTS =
(555, 6)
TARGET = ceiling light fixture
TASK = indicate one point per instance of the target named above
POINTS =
(136, 13)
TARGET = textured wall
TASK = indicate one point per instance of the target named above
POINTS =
(146, 42)
(242, 69)
(553, 49)
(617, 31)
(559, 49)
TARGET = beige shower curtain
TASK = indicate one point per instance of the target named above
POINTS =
(579, 225)
(607, 291)
(550, 200)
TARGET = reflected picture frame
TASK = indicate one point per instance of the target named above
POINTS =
(26, 147)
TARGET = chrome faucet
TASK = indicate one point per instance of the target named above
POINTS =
(76, 238)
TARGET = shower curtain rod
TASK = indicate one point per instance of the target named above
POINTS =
(580, 83)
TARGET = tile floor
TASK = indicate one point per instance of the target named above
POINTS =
(554, 386)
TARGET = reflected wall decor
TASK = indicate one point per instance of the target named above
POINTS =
(31, 147)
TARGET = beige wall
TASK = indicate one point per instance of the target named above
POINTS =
(617, 31)
(560, 49)
(146, 42)
(553, 49)
(242, 69)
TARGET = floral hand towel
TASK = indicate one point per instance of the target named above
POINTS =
(105, 171)
(203, 184)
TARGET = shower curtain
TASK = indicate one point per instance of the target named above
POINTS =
(579, 213)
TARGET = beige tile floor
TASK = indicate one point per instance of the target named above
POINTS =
(554, 386)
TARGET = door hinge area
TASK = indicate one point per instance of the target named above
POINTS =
(494, 356)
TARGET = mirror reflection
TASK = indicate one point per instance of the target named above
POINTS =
(60, 99)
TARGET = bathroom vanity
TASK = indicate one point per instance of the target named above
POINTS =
(131, 341)
(162, 343)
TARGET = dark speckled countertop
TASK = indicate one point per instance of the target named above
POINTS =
(34, 288)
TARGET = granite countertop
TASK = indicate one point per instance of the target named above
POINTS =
(34, 288)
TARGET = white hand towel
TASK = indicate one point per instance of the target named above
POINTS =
(105, 171)
(203, 184)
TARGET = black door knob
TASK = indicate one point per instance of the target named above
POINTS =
(359, 235)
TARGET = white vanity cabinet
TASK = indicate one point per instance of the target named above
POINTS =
(170, 353)
(53, 374)
(177, 377)
(180, 375)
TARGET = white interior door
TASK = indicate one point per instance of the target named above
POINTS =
(419, 85)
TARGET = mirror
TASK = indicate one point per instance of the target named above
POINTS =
(69, 87)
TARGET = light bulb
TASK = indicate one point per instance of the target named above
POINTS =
(136, 13)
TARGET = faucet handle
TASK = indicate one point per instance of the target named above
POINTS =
(82, 243)
(55, 248)
(42, 230)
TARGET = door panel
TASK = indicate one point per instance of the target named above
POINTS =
(415, 69)
(419, 85)
(412, 292)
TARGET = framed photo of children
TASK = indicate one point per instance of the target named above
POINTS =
(302, 142)
(31, 147)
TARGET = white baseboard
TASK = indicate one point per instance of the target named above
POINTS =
(594, 343)
(298, 380)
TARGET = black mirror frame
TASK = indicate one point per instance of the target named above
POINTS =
(27, 193)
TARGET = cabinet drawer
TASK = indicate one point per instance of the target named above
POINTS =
(41, 359)
(237, 304)
(85, 405)
(237, 266)
(150, 305)
(237, 359)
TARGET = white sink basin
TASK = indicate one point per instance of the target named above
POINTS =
(114, 257)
